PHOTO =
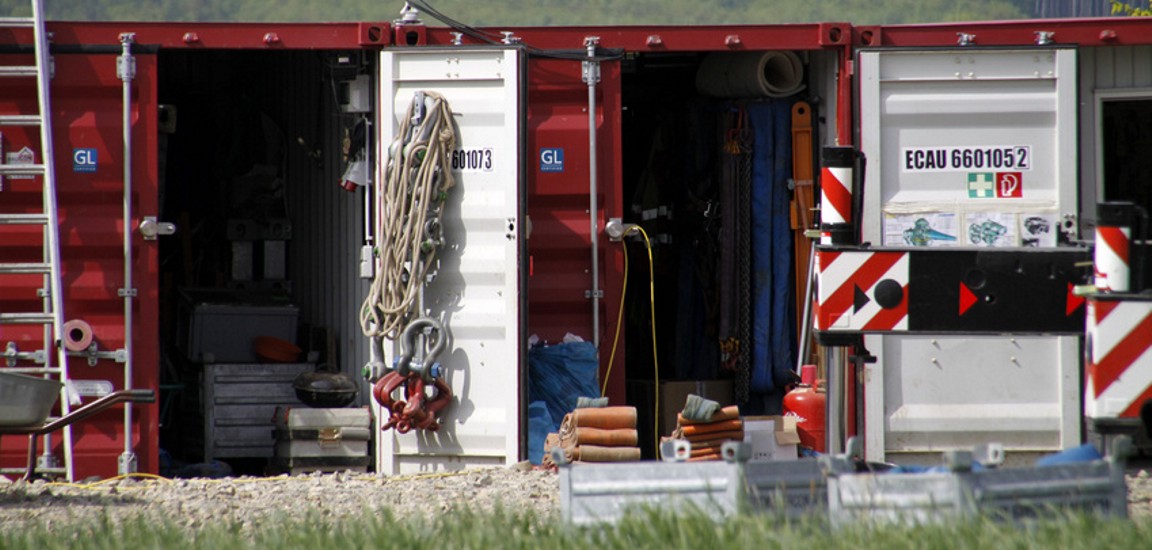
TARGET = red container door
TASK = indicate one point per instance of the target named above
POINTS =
(558, 187)
(86, 117)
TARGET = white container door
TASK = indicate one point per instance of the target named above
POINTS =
(478, 289)
(970, 148)
(968, 138)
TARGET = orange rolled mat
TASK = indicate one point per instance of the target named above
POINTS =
(723, 426)
(706, 450)
(716, 438)
(727, 413)
(596, 453)
(601, 437)
(607, 418)
(702, 458)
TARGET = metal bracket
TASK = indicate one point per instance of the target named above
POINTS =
(126, 292)
(150, 228)
(590, 71)
(126, 464)
(965, 39)
(588, 294)
(94, 355)
(13, 354)
(126, 63)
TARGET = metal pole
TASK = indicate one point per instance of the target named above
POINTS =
(806, 322)
(592, 77)
(126, 69)
(835, 357)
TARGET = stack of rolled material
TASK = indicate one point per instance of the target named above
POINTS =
(604, 434)
(706, 436)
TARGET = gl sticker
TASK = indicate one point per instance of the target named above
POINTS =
(84, 160)
(551, 159)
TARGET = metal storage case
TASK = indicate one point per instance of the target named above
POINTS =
(594, 493)
(239, 402)
(322, 440)
(220, 325)
(1014, 494)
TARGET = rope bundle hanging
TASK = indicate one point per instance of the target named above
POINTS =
(411, 199)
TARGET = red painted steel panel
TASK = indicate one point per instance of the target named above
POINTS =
(801, 36)
(189, 35)
(1125, 31)
(558, 206)
(87, 114)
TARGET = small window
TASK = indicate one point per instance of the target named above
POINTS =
(1127, 150)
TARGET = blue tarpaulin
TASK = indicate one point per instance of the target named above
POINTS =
(558, 375)
(773, 325)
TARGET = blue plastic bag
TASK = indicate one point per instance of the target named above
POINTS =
(558, 375)
(539, 424)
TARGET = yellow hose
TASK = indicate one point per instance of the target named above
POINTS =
(619, 318)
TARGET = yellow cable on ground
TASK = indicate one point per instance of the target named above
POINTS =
(155, 478)
(620, 316)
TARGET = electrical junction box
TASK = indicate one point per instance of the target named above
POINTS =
(358, 95)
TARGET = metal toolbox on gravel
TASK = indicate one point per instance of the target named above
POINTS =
(961, 491)
(322, 439)
(606, 492)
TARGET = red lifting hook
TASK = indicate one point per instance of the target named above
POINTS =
(418, 411)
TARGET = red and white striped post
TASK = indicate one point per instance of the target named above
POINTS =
(837, 227)
(836, 182)
(1112, 260)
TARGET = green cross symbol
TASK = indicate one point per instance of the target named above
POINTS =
(981, 185)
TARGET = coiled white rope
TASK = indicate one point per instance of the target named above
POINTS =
(411, 200)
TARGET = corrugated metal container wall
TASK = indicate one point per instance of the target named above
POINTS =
(328, 221)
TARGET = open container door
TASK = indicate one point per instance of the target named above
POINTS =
(970, 148)
(478, 292)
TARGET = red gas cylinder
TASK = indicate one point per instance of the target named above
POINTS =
(807, 403)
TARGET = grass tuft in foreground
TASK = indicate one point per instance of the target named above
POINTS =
(464, 529)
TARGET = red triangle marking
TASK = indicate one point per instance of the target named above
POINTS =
(967, 299)
(1073, 303)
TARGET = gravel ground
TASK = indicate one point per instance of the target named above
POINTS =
(253, 501)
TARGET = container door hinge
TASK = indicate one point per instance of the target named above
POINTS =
(588, 294)
(126, 292)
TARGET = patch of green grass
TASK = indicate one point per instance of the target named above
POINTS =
(465, 530)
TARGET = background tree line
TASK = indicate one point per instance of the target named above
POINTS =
(540, 12)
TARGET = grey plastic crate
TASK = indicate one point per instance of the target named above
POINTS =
(594, 493)
(1013, 494)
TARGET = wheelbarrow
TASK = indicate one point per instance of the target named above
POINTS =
(27, 401)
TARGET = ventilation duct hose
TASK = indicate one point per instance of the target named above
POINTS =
(750, 74)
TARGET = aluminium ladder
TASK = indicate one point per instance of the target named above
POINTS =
(51, 317)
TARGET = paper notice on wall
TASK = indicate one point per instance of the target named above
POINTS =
(23, 156)
(922, 229)
(1038, 229)
(991, 229)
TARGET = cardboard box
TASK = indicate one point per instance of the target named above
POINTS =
(772, 438)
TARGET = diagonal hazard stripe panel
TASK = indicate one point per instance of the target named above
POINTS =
(837, 292)
(1118, 343)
